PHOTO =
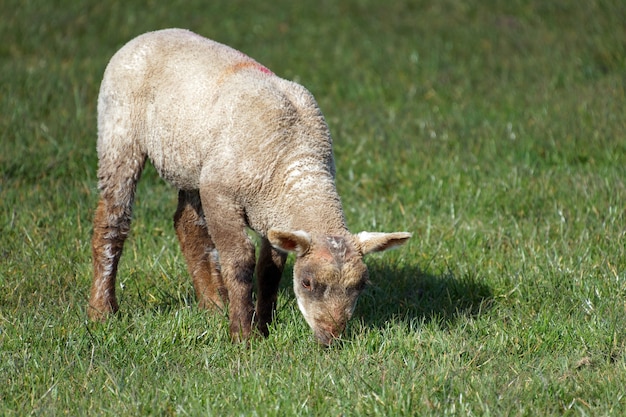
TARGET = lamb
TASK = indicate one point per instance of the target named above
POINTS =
(246, 150)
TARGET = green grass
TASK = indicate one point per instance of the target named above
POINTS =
(495, 131)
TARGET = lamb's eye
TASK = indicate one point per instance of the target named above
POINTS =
(306, 283)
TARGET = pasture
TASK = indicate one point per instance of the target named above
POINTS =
(494, 131)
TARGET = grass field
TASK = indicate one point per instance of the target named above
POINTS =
(494, 131)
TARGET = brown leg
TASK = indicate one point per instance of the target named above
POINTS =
(199, 251)
(106, 247)
(269, 269)
(110, 229)
(227, 227)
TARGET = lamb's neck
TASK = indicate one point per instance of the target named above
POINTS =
(315, 209)
(319, 217)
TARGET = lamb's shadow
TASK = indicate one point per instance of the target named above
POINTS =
(412, 295)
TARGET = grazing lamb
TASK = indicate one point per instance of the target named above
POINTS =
(246, 149)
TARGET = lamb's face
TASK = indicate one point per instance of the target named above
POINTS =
(329, 273)
(327, 282)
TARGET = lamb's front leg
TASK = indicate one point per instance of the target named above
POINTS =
(199, 250)
(269, 270)
(226, 225)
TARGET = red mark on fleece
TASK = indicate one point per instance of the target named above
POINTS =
(241, 65)
(251, 64)
(264, 69)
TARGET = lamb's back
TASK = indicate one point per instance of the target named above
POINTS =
(199, 108)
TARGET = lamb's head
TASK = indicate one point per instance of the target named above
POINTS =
(329, 274)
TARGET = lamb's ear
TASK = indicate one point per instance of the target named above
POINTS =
(378, 242)
(297, 241)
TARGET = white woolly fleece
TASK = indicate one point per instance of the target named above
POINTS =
(211, 117)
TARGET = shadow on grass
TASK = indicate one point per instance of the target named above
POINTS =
(412, 295)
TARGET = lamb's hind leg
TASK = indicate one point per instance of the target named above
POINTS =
(199, 251)
(117, 183)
